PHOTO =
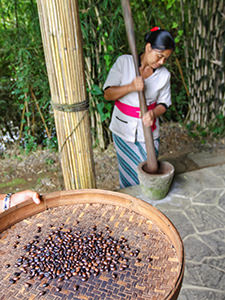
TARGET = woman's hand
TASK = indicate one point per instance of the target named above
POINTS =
(151, 115)
(116, 92)
(137, 85)
(148, 118)
(23, 196)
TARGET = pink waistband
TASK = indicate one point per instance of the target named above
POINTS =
(134, 111)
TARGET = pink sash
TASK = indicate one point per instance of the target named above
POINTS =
(134, 111)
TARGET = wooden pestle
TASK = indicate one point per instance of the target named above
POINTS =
(152, 164)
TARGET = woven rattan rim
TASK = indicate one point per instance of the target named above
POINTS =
(89, 196)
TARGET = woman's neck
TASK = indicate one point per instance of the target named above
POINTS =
(145, 69)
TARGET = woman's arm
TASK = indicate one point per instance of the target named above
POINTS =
(19, 197)
(113, 93)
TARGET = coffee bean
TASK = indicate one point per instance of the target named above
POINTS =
(65, 253)
(7, 266)
(45, 284)
(11, 280)
(28, 284)
(84, 279)
(16, 278)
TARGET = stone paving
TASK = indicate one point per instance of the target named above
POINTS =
(196, 206)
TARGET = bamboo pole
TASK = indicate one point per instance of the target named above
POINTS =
(62, 41)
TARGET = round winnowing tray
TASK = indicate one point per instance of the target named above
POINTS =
(156, 275)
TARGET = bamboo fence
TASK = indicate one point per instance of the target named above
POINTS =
(62, 41)
(205, 52)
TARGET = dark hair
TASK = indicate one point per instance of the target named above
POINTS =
(160, 39)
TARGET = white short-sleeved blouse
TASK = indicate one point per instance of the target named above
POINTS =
(157, 89)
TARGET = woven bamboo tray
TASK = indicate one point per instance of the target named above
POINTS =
(143, 226)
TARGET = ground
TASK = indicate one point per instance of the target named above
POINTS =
(41, 170)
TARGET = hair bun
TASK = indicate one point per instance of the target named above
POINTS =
(155, 28)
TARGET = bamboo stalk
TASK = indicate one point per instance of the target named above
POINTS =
(61, 36)
(207, 77)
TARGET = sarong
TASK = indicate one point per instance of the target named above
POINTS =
(129, 155)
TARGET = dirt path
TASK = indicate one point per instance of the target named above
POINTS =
(41, 170)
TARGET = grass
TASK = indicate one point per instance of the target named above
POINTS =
(14, 182)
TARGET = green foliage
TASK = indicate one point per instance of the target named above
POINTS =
(22, 69)
(177, 111)
(215, 128)
(49, 161)
(30, 142)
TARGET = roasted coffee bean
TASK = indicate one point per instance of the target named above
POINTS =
(149, 259)
(58, 289)
(76, 287)
(64, 254)
(20, 260)
(61, 279)
(28, 284)
(114, 275)
(84, 278)
(42, 293)
(11, 280)
(7, 266)
(137, 251)
(45, 284)
(16, 278)
(124, 266)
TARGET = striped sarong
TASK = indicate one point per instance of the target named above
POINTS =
(129, 155)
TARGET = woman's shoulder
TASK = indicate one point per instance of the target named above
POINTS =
(163, 72)
(124, 61)
(125, 58)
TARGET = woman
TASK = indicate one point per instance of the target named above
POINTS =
(122, 86)
(9, 200)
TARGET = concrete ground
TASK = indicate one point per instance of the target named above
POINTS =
(196, 206)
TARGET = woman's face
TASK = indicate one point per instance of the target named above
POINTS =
(156, 58)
